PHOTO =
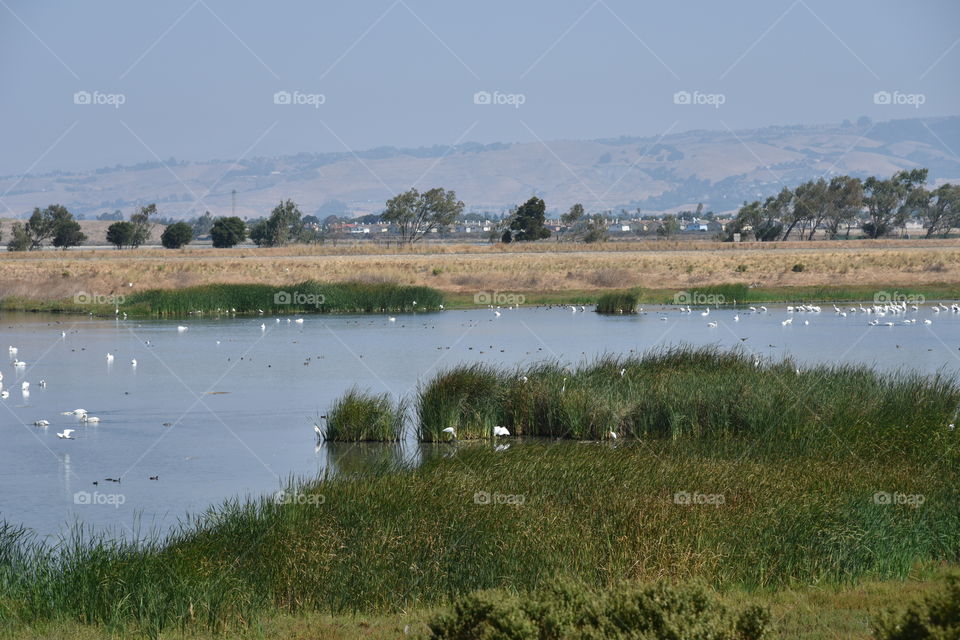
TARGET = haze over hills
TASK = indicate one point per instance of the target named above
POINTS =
(678, 170)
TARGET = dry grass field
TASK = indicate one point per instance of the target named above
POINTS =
(462, 269)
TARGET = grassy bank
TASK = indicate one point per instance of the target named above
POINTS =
(692, 394)
(304, 297)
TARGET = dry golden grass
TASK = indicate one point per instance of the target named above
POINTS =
(462, 268)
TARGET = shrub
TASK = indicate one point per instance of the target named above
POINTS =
(121, 234)
(797, 268)
(572, 611)
(360, 416)
(618, 303)
(936, 617)
(741, 268)
(176, 235)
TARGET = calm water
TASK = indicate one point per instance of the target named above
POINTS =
(241, 401)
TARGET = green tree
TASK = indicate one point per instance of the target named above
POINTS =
(67, 234)
(595, 229)
(941, 210)
(282, 227)
(43, 223)
(527, 222)
(811, 204)
(228, 232)
(570, 220)
(845, 197)
(121, 234)
(176, 235)
(202, 225)
(19, 238)
(669, 226)
(140, 219)
(887, 200)
(416, 214)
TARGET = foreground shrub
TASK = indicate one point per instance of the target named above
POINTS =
(571, 611)
(937, 617)
(360, 416)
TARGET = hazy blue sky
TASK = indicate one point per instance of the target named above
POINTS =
(197, 77)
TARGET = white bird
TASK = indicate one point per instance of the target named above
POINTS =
(392, 319)
(736, 318)
(496, 313)
(928, 321)
(109, 357)
(90, 419)
(787, 321)
(65, 434)
(12, 350)
(450, 430)
(4, 394)
(133, 362)
(623, 372)
(572, 308)
(500, 431)
(711, 324)
(263, 327)
(42, 423)
(300, 320)
(523, 379)
(19, 364)
(25, 386)
(612, 435)
(441, 307)
(762, 308)
(76, 412)
(181, 328)
(317, 430)
(42, 383)
(705, 313)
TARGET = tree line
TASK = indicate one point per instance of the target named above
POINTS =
(879, 207)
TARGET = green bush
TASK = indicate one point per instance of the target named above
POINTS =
(360, 416)
(574, 612)
(797, 268)
(937, 617)
(176, 235)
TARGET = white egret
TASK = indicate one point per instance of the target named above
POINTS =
(500, 431)
(90, 419)
(42, 423)
(451, 431)
(66, 434)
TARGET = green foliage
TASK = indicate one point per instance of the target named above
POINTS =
(360, 416)
(121, 234)
(176, 235)
(797, 268)
(467, 398)
(573, 611)
(19, 238)
(937, 617)
(527, 222)
(887, 201)
(415, 214)
(284, 226)
(228, 232)
(669, 226)
(618, 303)
(140, 219)
(67, 234)
(305, 297)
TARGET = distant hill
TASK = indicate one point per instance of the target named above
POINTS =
(718, 168)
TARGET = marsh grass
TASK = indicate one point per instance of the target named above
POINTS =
(306, 297)
(699, 393)
(618, 303)
(362, 416)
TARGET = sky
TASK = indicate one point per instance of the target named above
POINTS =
(104, 82)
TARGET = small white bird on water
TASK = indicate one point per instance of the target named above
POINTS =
(500, 431)
(109, 357)
(66, 434)
(25, 386)
(4, 394)
(90, 419)
(451, 431)
(392, 319)
(133, 362)
(181, 328)
(42, 423)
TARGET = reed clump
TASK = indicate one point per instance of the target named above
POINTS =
(362, 416)
(618, 303)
